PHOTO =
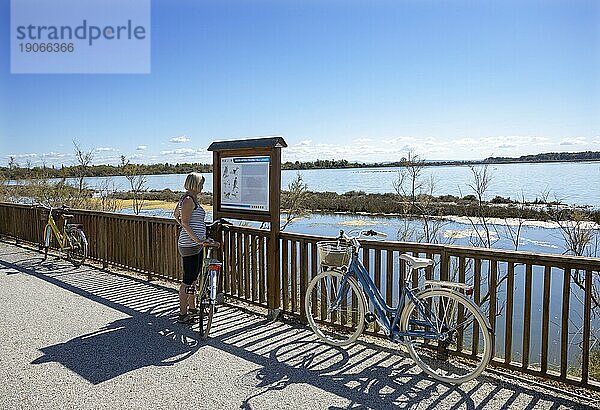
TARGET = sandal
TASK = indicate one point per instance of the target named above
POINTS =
(185, 319)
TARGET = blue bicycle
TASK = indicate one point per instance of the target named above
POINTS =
(445, 333)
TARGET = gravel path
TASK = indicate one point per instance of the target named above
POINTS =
(87, 339)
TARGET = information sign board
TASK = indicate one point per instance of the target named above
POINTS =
(245, 183)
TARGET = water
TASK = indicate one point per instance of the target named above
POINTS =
(535, 238)
(570, 182)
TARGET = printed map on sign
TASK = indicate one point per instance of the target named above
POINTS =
(245, 183)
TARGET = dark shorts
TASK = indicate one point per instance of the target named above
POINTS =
(191, 268)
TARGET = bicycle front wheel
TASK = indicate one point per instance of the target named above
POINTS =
(78, 247)
(206, 309)
(448, 335)
(206, 306)
(335, 314)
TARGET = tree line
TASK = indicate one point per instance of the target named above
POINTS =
(16, 171)
(549, 157)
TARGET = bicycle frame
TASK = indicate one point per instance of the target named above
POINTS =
(381, 307)
(209, 265)
(61, 237)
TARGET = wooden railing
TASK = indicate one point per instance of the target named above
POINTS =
(146, 245)
(543, 308)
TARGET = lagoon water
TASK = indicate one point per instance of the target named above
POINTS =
(569, 182)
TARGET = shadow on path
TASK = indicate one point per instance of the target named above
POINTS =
(366, 375)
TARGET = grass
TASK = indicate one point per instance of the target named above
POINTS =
(154, 204)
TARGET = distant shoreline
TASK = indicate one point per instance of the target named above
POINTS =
(467, 163)
(20, 173)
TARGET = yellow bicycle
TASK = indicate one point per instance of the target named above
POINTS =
(70, 240)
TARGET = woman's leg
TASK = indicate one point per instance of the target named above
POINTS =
(183, 296)
(191, 301)
(189, 268)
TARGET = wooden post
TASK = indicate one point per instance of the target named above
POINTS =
(257, 147)
(273, 280)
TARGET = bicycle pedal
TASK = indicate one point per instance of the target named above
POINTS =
(370, 317)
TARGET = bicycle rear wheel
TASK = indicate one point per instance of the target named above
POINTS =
(464, 344)
(337, 324)
(78, 247)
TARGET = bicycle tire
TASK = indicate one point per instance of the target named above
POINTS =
(46, 240)
(78, 251)
(206, 310)
(338, 327)
(451, 360)
(206, 307)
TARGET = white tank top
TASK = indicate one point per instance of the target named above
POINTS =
(196, 223)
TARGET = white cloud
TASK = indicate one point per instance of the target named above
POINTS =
(181, 139)
(141, 147)
(180, 151)
(181, 155)
(106, 149)
(573, 141)
(53, 154)
(392, 148)
(19, 156)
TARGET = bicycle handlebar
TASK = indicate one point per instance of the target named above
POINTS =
(371, 232)
(48, 207)
(354, 239)
(219, 221)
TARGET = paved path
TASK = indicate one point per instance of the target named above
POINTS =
(88, 339)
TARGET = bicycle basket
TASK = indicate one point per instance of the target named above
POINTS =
(333, 253)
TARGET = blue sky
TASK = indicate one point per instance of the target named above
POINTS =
(338, 79)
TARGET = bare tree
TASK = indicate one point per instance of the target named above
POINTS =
(409, 182)
(55, 194)
(578, 230)
(105, 200)
(416, 194)
(294, 202)
(137, 183)
(12, 166)
(479, 185)
(83, 161)
(4, 195)
(513, 227)
(581, 237)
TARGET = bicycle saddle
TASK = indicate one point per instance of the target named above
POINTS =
(66, 216)
(416, 263)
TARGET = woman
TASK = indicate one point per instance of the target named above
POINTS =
(190, 215)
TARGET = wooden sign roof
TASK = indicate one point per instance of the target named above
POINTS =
(263, 142)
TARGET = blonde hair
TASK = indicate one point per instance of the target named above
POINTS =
(194, 182)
